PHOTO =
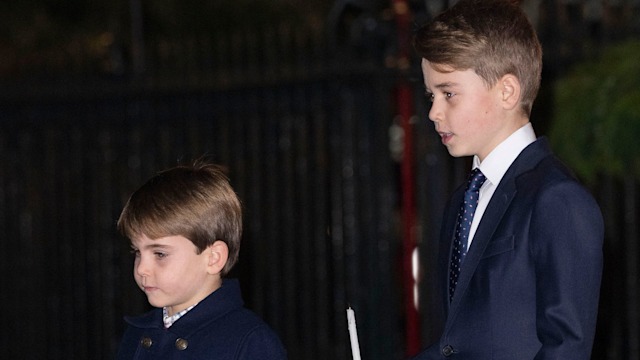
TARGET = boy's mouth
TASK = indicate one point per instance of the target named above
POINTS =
(445, 137)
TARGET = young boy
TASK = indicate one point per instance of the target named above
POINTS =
(185, 225)
(520, 255)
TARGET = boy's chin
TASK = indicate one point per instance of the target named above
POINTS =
(155, 302)
(456, 154)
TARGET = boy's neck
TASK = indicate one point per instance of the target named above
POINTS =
(513, 124)
(514, 143)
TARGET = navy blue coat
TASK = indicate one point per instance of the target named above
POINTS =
(529, 285)
(219, 327)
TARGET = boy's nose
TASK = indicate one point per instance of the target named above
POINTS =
(434, 113)
(141, 267)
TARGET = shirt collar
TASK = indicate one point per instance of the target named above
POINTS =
(495, 165)
(169, 320)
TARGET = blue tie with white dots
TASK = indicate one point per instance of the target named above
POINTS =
(463, 225)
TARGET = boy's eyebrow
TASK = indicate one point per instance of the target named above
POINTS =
(445, 85)
(152, 246)
(441, 86)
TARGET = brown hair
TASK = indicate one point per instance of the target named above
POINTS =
(195, 201)
(491, 37)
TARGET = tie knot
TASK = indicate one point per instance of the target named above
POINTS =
(476, 179)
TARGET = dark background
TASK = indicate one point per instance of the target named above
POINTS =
(317, 110)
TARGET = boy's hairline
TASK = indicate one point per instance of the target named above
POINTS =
(448, 68)
(139, 234)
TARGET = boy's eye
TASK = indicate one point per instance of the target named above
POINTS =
(430, 96)
(448, 95)
(160, 255)
(135, 252)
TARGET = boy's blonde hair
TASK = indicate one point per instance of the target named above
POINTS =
(491, 37)
(195, 201)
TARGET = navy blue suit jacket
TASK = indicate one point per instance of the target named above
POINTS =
(529, 285)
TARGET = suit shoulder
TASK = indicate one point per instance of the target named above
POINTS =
(555, 170)
(548, 171)
(551, 181)
(556, 185)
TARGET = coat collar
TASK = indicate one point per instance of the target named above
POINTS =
(222, 301)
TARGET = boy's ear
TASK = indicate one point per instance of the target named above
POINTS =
(510, 89)
(218, 253)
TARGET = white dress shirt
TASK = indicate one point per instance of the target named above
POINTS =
(495, 165)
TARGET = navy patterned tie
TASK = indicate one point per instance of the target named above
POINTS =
(463, 225)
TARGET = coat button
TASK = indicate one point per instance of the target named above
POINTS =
(146, 342)
(181, 344)
(447, 350)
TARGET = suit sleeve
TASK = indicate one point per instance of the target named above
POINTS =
(567, 233)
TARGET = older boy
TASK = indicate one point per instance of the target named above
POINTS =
(521, 243)
(185, 225)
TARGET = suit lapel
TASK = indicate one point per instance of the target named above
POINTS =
(497, 207)
(494, 213)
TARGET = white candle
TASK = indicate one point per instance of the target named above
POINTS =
(353, 334)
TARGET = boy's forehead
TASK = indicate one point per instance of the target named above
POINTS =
(441, 68)
(445, 76)
(173, 241)
(433, 72)
(142, 240)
